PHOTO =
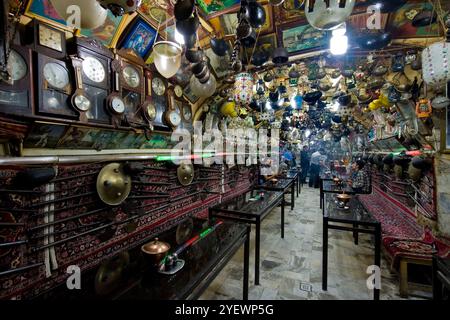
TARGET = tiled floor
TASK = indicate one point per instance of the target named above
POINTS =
(292, 268)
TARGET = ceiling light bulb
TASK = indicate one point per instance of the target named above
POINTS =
(338, 45)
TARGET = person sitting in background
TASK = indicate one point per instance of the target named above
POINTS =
(360, 181)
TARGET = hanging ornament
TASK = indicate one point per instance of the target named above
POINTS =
(183, 9)
(328, 15)
(436, 64)
(243, 88)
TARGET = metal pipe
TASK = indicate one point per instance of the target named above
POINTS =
(24, 161)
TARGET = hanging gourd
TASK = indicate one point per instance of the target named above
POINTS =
(328, 14)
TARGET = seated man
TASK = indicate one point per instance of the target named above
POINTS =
(360, 181)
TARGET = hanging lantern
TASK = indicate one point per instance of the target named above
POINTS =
(93, 15)
(167, 58)
(204, 90)
(328, 15)
(436, 64)
(243, 88)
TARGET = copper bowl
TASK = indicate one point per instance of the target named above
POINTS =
(344, 198)
(155, 251)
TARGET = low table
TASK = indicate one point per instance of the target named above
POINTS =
(203, 262)
(296, 175)
(283, 184)
(354, 217)
(249, 208)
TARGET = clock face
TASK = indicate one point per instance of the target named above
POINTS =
(93, 69)
(158, 86)
(82, 103)
(178, 91)
(17, 67)
(187, 113)
(50, 38)
(117, 105)
(56, 75)
(150, 111)
(131, 76)
(174, 118)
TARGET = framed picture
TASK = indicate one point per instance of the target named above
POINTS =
(189, 95)
(229, 23)
(219, 65)
(289, 10)
(301, 38)
(106, 34)
(44, 135)
(139, 37)
(156, 11)
(400, 21)
(214, 7)
(78, 138)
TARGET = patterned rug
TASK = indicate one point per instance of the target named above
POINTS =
(395, 221)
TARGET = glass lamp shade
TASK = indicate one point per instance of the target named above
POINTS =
(436, 64)
(92, 14)
(243, 88)
(167, 58)
(203, 90)
(324, 17)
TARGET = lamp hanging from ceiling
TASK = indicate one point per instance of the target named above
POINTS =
(243, 88)
(167, 58)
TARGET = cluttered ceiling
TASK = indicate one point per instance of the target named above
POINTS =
(321, 71)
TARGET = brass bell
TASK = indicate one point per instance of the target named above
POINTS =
(185, 174)
(113, 185)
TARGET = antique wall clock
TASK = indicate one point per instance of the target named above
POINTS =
(92, 64)
(160, 99)
(131, 86)
(16, 93)
(54, 87)
(46, 39)
(172, 116)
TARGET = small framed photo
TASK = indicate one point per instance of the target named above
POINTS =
(139, 37)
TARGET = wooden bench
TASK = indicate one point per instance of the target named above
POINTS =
(405, 242)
